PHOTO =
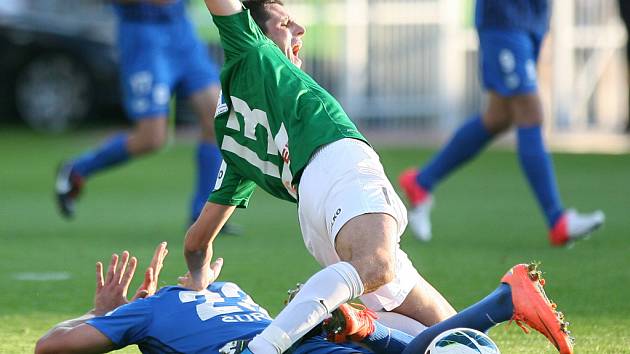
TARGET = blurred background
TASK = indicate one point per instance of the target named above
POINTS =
(405, 70)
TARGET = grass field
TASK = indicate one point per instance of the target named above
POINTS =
(485, 221)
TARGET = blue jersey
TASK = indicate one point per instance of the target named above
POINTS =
(524, 15)
(147, 12)
(178, 320)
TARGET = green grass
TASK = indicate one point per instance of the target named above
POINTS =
(485, 220)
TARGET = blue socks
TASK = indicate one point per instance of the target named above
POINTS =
(537, 166)
(493, 309)
(208, 164)
(113, 152)
(385, 340)
(468, 140)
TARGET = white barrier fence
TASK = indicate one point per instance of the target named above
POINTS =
(412, 64)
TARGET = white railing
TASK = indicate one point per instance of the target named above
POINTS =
(412, 64)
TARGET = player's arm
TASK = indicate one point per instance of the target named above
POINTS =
(231, 191)
(198, 244)
(224, 7)
(75, 335)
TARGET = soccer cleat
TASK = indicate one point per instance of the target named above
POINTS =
(421, 204)
(349, 322)
(532, 307)
(68, 187)
(573, 226)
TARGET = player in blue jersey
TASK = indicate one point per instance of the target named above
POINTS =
(510, 36)
(175, 319)
(222, 318)
(160, 56)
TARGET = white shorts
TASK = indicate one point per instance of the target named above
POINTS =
(343, 180)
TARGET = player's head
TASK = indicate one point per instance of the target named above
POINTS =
(275, 21)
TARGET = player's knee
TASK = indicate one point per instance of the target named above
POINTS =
(151, 142)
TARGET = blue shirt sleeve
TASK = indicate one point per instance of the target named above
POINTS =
(127, 324)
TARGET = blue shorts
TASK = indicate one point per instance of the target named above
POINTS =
(508, 61)
(319, 345)
(157, 60)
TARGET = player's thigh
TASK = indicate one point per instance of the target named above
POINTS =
(145, 72)
(508, 61)
(343, 180)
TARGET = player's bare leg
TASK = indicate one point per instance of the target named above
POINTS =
(368, 242)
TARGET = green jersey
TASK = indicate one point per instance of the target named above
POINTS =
(271, 116)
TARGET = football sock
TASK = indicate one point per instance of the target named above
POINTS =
(321, 294)
(466, 143)
(400, 322)
(537, 166)
(493, 309)
(385, 340)
(208, 164)
(113, 152)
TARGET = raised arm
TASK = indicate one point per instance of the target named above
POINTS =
(224, 7)
(198, 243)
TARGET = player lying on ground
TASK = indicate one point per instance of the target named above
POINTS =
(174, 319)
(278, 129)
(223, 318)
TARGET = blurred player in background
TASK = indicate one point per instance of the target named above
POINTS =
(280, 130)
(160, 56)
(510, 36)
(222, 318)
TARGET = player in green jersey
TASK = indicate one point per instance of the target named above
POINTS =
(279, 130)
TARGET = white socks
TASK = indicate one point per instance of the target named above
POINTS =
(322, 293)
(400, 322)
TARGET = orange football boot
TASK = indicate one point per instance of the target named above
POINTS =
(532, 307)
(350, 322)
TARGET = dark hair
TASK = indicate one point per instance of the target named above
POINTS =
(259, 12)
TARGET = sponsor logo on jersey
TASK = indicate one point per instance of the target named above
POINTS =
(222, 107)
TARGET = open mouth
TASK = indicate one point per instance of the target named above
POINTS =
(296, 49)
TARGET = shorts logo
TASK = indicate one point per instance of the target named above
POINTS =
(141, 83)
(334, 218)
(140, 105)
(507, 61)
(386, 196)
(161, 94)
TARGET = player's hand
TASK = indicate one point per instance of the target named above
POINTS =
(205, 279)
(150, 284)
(111, 291)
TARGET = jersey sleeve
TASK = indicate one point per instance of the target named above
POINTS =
(239, 33)
(231, 188)
(127, 324)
